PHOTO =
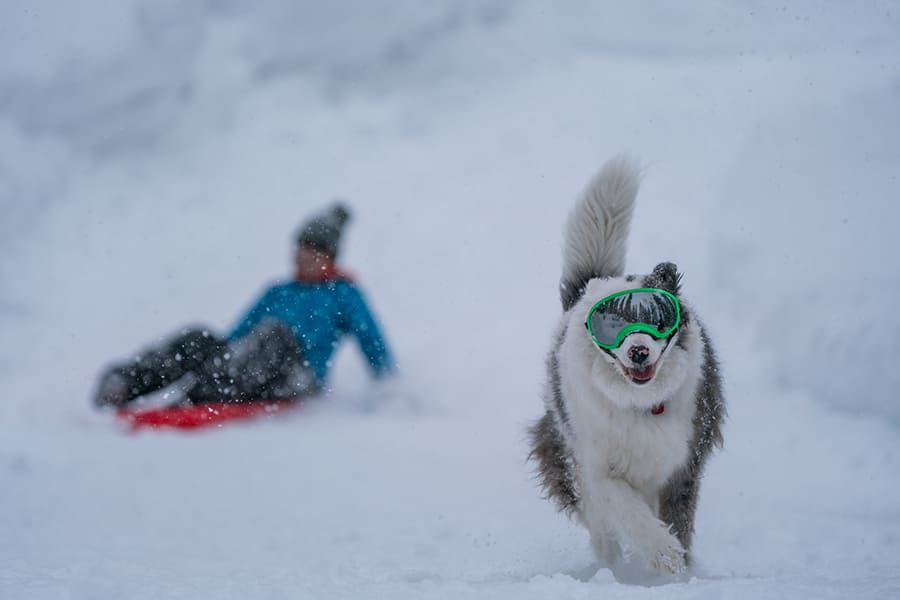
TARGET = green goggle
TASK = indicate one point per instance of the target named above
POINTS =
(649, 310)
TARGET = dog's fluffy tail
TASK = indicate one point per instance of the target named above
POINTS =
(598, 228)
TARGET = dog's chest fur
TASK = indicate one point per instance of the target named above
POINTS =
(641, 448)
(626, 443)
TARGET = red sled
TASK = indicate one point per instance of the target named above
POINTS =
(202, 415)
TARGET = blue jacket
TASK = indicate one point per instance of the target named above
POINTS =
(320, 314)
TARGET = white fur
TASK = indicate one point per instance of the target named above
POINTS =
(625, 454)
(598, 225)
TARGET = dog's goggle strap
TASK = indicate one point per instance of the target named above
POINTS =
(652, 311)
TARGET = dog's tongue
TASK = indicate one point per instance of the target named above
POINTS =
(642, 375)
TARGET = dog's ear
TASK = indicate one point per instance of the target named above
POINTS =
(665, 276)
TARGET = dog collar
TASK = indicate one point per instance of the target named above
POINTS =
(658, 409)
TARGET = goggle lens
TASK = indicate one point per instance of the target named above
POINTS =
(653, 311)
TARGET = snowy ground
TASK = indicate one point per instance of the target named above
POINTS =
(154, 160)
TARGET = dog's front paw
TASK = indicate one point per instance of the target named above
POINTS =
(669, 556)
(662, 550)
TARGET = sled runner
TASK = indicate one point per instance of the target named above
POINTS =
(201, 415)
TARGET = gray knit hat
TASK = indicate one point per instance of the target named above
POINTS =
(323, 231)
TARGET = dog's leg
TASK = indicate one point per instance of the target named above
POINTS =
(678, 504)
(613, 506)
(606, 549)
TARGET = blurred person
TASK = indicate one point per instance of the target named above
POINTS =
(280, 349)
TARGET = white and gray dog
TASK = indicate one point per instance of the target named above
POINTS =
(633, 396)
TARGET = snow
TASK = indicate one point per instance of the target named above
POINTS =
(154, 160)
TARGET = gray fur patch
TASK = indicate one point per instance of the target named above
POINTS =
(555, 401)
(678, 505)
(570, 292)
(665, 276)
(556, 465)
(710, 407)
(678, 499)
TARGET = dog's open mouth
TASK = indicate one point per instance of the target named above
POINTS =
(640, 375)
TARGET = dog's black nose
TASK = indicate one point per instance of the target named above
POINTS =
(638, 354)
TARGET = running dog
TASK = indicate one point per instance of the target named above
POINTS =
(633, 398)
